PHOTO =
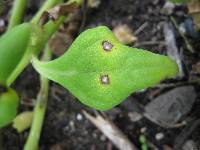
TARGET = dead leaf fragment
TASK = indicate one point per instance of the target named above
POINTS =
(194, 10)
(196, 68)
(61, 40)
(124, 34)
(94, 3)
(57, 11)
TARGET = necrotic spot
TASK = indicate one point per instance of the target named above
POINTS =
(104, 79)
(107, 46)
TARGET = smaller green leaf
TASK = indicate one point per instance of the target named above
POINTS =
(14, 54)
(12, 48)
(178, 1)
(8, 106)
(101, 72)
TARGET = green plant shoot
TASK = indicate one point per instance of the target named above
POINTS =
(8, 106)
(101, 72)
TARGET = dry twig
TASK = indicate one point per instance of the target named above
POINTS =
(111, 131)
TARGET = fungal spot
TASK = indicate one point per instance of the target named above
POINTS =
(107, 46)
(105, 79)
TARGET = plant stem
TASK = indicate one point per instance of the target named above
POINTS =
(41, 102)
(40, 109)
(17, 13)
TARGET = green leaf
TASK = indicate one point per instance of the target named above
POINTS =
(13, 50)
(12, 47)
(101, 72)
(178, 1)
(8, 106)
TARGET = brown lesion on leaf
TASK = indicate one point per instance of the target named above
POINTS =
(107, 46)
(105, 79)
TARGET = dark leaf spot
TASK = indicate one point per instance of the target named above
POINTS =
(107, 46)
(105, 79)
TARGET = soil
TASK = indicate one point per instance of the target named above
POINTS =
(66, 128)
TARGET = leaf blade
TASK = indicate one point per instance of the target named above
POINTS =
(125, 69)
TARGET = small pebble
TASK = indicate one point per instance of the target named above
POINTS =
(168, 8)
(182, 28)
(159, 136)
(143, 130)
(71, 124)
(79, 117)
(102, 138)
(2, 23)
(134, 116)
(94, 135)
